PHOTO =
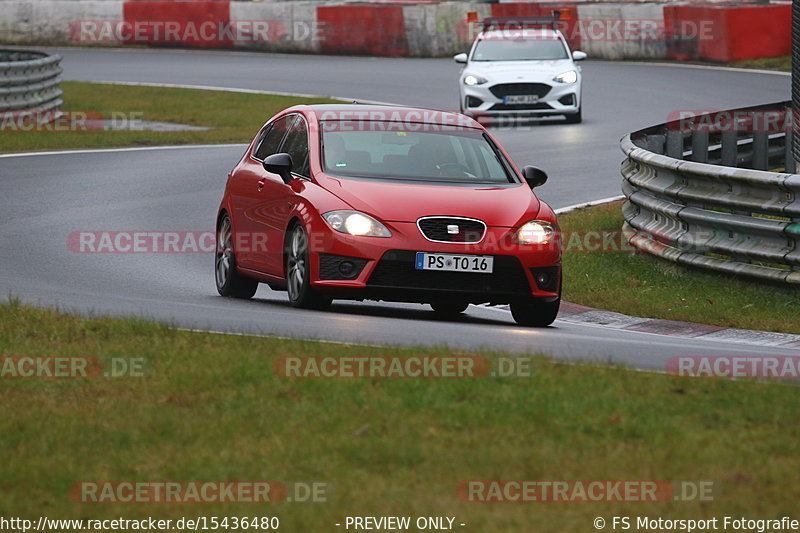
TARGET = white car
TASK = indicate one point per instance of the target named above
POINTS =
(521, 71)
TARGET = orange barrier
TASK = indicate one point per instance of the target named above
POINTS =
(203, 24)
(363, 29)
(728, 33)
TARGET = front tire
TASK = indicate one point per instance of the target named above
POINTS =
(229, 281)
(298, 273)
(534, 312)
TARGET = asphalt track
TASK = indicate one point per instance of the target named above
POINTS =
(46, 197)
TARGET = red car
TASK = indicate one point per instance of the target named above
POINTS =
(366, 202)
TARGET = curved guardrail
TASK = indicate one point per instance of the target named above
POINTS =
(29, 81)
(699, 192)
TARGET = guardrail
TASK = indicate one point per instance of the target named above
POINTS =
(29, 81)
(699, 192)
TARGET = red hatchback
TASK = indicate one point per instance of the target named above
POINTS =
(387, 203)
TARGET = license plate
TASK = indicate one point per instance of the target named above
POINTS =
(482, 264)
(521, 99)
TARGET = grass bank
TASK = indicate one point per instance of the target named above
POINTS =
(210, 407)
(642, 285)
(231, 117)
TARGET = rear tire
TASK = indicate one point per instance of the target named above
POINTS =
(534, 312)
(575, 118)
(449, 309)
(229, 281)
(298, 273)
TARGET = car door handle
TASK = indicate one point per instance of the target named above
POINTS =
(261, 184)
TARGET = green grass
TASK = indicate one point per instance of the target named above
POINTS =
(642, 285)
(211, 408)
(231, 117)
(783, 63)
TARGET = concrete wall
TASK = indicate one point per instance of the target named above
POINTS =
(618, 30)
(51, 21)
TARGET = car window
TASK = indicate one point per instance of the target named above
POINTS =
(296, 145)
(272, 136)
(404, 153)
(519, 50)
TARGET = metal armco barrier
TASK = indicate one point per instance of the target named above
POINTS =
(687, 202)
(29, 81)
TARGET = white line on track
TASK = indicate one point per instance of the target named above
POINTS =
(112, 150)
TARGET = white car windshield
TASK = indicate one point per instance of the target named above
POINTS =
(519, 50)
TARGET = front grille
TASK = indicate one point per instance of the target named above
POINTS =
(437, 229)
(508, 89)
(396, 270)
(330, 267)
(519, 107)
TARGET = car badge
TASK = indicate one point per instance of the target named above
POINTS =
(452, 229)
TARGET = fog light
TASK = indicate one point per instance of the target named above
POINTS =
(346, 268)
(546, 278)
(543, 279)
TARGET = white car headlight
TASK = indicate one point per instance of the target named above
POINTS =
(356, 223)
(471, 79)
(535, 232)
(570, 76)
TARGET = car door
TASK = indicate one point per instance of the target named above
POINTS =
(247, 191)
(276, 199)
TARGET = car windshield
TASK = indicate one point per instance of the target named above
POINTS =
(405, 152)
(519, 50)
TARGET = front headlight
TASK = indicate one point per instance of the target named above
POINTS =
(356, 223)
(567, 77)
(535, 232)
(471, 79)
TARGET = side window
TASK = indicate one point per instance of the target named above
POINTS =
(296, 145)
(272, 137)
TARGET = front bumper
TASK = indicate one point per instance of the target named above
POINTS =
(489, 99)
(383, 268)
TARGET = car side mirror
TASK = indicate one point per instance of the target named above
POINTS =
(460, 58)
(535, 177)
(577, 55)
(280, 164)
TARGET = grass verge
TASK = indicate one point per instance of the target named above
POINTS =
(641, 285)
(783, 63)
(231, 117)
(210, 407)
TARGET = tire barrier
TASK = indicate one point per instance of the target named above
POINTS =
(29, 81)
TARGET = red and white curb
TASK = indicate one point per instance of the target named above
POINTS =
(581, 314)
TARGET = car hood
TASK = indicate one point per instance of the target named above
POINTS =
(407, 202)
(521, 69)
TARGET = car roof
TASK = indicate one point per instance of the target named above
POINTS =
(386, 113)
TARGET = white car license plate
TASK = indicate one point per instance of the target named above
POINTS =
(521, 99)
(482, 264)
